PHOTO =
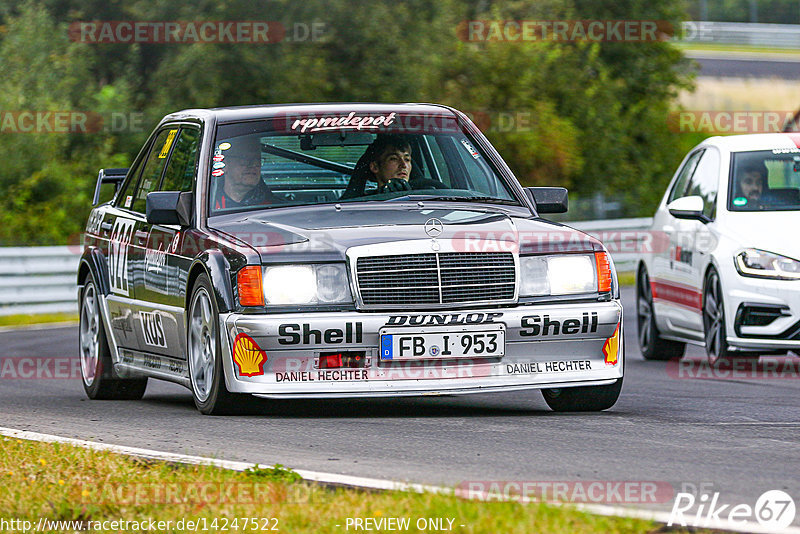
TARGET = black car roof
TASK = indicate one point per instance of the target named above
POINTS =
(239, 113)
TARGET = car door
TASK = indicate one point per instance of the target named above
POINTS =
(692, 260)
(669, 285)
(160, 291)
(146, 328)
(116, 235)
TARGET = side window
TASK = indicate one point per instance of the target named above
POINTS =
(438, 159)
(151, 174)
(679, 189)
(477, 174)
(181, 168)
(128, 186)
(705, 182)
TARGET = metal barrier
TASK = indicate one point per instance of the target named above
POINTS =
(742, 33)
(35, 280)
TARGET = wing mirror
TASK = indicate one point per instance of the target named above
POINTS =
(548, 199)
(169, 207)
(688, 208)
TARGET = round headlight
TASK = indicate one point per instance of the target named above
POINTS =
(332, 283)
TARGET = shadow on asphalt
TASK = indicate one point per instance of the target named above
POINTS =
(411, 407)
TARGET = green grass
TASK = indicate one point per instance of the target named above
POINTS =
(62, 482)
(23, 320)
(627, 278)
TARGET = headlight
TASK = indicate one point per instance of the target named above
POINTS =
(562, 275)
(761, 264)
(306, 284)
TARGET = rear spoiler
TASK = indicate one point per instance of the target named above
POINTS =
(108, 176)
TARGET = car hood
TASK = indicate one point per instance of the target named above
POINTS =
(773, 231)
(325, 233)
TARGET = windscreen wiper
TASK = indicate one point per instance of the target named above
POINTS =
(451, 198)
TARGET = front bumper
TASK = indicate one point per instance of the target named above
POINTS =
(546, 346)
(780, 298)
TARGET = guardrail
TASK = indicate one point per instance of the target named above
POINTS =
(742, 33)
(36, 280)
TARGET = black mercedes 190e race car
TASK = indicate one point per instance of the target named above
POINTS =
(340, 250)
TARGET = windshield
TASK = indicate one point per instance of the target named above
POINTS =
(765, 180)
(348, 158)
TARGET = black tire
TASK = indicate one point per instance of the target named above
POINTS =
(100, 380)
(714, 330)
(583, 398)
(203, 344)
(651, 344)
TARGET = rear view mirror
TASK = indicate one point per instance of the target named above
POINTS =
(108, 176)
(549, 199)
(169, 207)
(338, 138)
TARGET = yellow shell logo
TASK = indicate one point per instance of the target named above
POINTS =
(611, 348)
(248, 356)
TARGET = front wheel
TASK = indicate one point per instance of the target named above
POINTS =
(100, 381)
(715, 332)
(205, 352)
(583, 398)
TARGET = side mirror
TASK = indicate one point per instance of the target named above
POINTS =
(108, 176)
(549, 199)
(169, 207)
(688, 208)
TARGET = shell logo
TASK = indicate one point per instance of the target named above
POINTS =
(248, 356)
(611, 348)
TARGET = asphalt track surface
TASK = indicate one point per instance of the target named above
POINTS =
(740, 65)
(737, 436)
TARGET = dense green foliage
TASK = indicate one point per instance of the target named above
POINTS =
(590, 116)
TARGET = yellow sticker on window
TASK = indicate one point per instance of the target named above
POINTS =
(168, 143)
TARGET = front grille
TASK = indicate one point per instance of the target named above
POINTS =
(436, 278)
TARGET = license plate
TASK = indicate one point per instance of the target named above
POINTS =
(442, 344)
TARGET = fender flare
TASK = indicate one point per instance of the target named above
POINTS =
(214, 264)
(92, 261)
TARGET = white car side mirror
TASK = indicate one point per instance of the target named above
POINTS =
(688, 208)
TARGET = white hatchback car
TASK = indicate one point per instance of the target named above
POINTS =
(722, 269)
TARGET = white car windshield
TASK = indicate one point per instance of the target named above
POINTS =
(765, 180)
(275, 163)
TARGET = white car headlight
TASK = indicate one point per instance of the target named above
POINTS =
(762, 264)
(557, 275)
(306, 284)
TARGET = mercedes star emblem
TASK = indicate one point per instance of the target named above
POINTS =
(434, 227)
